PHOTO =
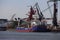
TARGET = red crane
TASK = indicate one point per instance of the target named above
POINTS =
(32, 12)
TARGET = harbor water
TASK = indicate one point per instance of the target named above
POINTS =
(5, 35)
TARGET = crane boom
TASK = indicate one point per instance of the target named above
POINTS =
(12, 16)
(39, 12)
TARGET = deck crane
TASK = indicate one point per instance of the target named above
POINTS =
(55, 12)
(30, 14)
(39, 12)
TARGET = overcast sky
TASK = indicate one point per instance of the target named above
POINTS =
(21, 8)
